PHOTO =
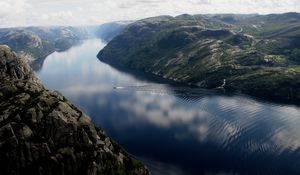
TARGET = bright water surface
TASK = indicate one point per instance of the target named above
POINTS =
(177, 130)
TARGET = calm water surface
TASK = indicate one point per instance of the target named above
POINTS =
(178, 130)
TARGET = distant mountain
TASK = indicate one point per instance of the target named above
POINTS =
(255, 54)
(36, 43)
(108, 31)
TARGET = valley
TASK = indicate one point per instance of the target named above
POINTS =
(165, 95)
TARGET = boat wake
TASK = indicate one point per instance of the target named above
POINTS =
(171, 90)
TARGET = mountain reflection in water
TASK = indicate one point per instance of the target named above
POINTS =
(178, 130)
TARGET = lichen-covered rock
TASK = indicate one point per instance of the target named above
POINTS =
(42, 133)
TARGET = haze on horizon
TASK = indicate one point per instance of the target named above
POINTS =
(89, 12)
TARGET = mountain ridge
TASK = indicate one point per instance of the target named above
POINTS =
(257, 54)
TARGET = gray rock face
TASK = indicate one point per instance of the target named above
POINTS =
(23, 38)
(43, 133)
(13, 67)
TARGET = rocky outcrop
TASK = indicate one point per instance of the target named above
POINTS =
(23, 39)
(41, 132)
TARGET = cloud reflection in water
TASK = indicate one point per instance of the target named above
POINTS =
(177, 125)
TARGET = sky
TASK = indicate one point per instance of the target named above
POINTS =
(93, 12)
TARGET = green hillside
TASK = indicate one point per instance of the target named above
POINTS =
(256, 54)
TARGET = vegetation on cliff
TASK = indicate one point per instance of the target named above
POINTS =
(255, 54)
(35, 43)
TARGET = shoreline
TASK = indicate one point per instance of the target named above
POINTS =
(160, 79)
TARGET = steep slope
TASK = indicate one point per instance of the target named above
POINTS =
(35, 43)
(41, 132)
(204, 50)
(108, 31)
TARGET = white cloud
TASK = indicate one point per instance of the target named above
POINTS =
(12, 12)
(8, 6)
(77, 12)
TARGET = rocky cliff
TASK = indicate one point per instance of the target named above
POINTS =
(41, 132)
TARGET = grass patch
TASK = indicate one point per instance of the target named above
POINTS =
(295, 67)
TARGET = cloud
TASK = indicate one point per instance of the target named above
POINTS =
(12, 12)
(78, 12)
(8, 6)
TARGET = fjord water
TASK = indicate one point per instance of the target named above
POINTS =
(178, 130)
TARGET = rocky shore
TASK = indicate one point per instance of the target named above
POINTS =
(41, 132)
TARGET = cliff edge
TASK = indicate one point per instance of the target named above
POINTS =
(41, 132)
